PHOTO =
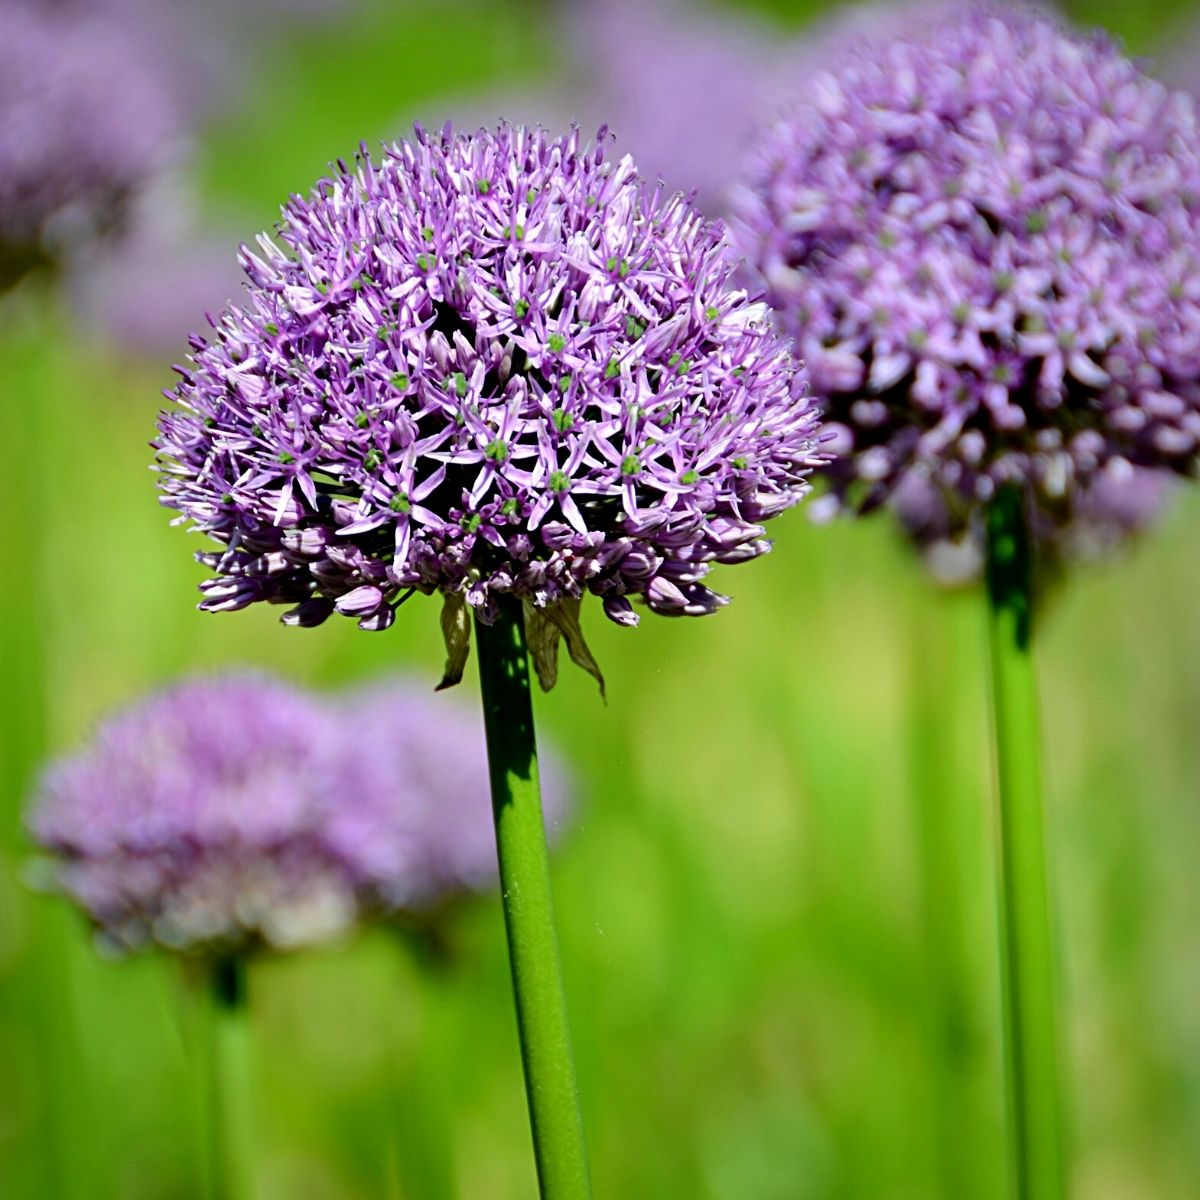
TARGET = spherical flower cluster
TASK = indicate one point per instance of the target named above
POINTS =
(413, 819)
(84, 122)
(237, 812)
(489, 364)
(194, 819)
(984, 240)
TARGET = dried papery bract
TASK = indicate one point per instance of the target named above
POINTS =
(983, 236)
(498, 367)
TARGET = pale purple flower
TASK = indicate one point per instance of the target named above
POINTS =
(493, 363)
(194, 820)
(411, 815)
(1119, 503)
(681, 85)
(984, 239)
(685, 85)
(84, 122)
(164, 275)
(236, 812)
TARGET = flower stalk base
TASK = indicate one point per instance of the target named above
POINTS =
(554, 1112)
(1027, 949)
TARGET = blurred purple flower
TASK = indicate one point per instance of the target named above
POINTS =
(214, 47)
(685, 85)
(983, 239)
(493, 363)
(166, 274)
(194, 820)
(84, 123)
(682, 87)
(1118, 504)
(236, 812)
(411, 815)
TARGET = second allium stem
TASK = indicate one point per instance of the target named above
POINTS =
(550, 1085)
(1030, 1016)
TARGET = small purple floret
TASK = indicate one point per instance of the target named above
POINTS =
(984, 239)
(488, 364)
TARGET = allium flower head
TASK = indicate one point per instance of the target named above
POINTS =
(411, 815)
(84, 121)
(194, 820)
(488, 364)
(984, 240)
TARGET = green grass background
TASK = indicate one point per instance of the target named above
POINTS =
(782, 975)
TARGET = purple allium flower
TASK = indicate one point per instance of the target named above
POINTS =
(164, 275)
(984, 240)
(1113, 509)
(681, 88)
(411, 815)
(84, 122)
(194, 820)
(491, 363)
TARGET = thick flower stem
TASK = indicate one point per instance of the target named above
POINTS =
(228, 1118)
(1027, 950)
(943, 843)
(550, 1085)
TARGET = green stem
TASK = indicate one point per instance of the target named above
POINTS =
(422, 1151)
(228, 1089)
(944, 847)
(1027, 961)
(550, 1086)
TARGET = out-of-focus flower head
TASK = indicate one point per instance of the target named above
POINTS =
(984, 239)
(84, 123)
(491, 364)
(1118, 505)
(411, 815)
(685, 85)
(194, 820)
(682, 86)
(168, 270)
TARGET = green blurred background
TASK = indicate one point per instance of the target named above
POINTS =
(779, 949)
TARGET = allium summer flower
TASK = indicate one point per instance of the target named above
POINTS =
(682, 88)
(84, 122)
(194, 820)
(1117, 506)
(412, 818)
(489, 364)
(984, 240)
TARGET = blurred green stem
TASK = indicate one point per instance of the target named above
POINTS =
(943, 848)
(422, 1134)
(550, 1085)
(1027, 957)
(228, 1084)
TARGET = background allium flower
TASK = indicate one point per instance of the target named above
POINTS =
(984, 241)
(1119, 503)
(194, 820)
(492, 363)
(412, 814)
(84, 121)
(681, 87)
